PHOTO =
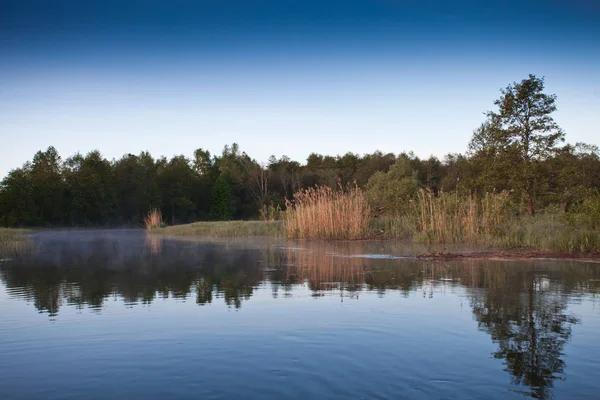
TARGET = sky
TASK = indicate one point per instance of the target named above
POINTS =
(283, 77)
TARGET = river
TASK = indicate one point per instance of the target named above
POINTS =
(124, 314)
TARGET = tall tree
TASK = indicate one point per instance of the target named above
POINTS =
(90, 189)
(136, 186)
(176, 180)
(221, 205)
(17, 205)
(523, 129)
(48, 186)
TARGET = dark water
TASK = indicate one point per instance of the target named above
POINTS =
(100, 315)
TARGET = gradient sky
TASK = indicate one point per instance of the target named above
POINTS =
(283, 77)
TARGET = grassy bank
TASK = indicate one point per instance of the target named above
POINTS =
(489, 221)
(225, 229)
(13, 242)
(542, 232)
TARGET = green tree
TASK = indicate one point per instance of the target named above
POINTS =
(136, 186)
(90, 189)
(17, 205)
(249, 180)
(391, 192)
(372, 163)
(177, 180)
(572, 175)
(221, 207)
(285, 176)
(48, 186)
(522, 133)
(491, 163)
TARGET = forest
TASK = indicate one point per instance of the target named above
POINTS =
(518, 150)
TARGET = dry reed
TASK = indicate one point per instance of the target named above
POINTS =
(325, 213)
(451, 217)
(13, 243)
(154, 219)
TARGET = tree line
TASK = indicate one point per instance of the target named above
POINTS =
(519, 148)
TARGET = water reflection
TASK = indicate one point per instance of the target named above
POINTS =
(527, 317)
(522, 306)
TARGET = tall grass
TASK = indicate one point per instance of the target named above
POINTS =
(13, 243)
(397, 227)
(551, 232)
(586, 213)
(452, 217)
(344, 214)
(325, 213)
(270, 213)
(154, 219)
(487, 220)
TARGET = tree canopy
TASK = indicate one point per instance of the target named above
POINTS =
(518, 147)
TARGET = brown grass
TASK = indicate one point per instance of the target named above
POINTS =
(451, 217)
(325, 213)
(13, 242)
(154, 219)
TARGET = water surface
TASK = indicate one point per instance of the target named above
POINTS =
(119, 314)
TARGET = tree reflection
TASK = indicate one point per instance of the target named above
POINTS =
(85, 272)
(526, 315)
(522, 306)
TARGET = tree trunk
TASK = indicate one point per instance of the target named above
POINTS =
(530, 207)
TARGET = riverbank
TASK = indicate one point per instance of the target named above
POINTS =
(513, 255)
(540, 233)
(223, 229)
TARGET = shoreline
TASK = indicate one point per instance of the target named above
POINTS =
(513, 255)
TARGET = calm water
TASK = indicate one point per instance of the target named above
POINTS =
(99, 315)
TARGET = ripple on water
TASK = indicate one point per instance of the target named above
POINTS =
(317, 321)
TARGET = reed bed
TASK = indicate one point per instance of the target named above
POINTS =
(487, 220)
(154, 219)
(546, 232)
(451, 217)
(13, 243)
(344, 214)
(325, 213)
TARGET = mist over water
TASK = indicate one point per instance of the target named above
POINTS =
(129, 315)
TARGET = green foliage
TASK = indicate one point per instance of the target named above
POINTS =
(136, 187)
(392, 192)
(271, 213)
(17, 204)
(221, 207)
(516, 149)
(514, 140)
(90, 194)
(176, 181)
(586, 213)
(48, 186)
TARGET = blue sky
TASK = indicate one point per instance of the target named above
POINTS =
(283, 77)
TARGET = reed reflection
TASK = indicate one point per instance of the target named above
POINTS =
(522, 306)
